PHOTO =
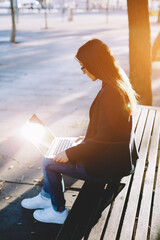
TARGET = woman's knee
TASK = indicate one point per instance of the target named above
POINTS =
(46, 162)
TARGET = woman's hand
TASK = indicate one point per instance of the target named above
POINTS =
(61, 157)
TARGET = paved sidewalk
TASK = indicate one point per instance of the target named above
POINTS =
(40, 75)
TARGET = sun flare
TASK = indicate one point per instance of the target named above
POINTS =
(33, 132)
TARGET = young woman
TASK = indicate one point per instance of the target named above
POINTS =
(108, 150)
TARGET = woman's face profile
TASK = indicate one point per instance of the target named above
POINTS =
(85, 71)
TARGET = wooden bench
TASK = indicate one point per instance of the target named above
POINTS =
(131, 209)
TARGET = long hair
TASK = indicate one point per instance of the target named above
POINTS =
(97, 58)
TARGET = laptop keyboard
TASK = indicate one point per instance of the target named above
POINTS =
(59, 145)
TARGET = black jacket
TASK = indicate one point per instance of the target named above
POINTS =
(109, 148)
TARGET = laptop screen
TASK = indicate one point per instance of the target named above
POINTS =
(38, 134)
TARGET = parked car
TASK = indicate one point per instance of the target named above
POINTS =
(31, 4)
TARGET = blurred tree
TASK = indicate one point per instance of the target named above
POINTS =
(140, 49)
(70, 14)
(107, 10)
(13, 34)
(87, 5)
(117, 4)
(45, 14)
(158, 15)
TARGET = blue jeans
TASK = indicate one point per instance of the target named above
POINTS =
(53, 182)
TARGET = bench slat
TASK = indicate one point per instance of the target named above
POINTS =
(155, 222)
(77, 184)
(141, 126)
(129, 218)
(144, 214)
(136, 116)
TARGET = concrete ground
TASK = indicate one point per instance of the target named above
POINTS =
(39, 74)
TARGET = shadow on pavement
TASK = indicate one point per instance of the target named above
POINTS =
(18, 223)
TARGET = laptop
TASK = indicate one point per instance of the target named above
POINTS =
(46, 142)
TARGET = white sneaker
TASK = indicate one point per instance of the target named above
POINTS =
(36, 202)
(49, 215)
